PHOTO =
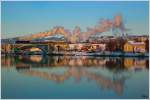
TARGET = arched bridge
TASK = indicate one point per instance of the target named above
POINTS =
(26, 43)
(44, 47)
(27, 47)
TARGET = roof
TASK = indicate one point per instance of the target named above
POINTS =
(136, 43)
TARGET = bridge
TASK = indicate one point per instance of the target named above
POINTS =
(44, 47)
(24, 44)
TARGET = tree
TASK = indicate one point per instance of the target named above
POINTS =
(111, 46)
(147, 45)
(16, 50)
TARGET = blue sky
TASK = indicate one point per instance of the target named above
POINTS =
(23, 18)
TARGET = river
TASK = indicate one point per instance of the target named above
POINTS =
(74, 77)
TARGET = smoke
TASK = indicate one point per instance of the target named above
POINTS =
(102, 26)
(117, 21)
(77, 35)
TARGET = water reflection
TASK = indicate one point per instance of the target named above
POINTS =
(75, 61)
(107, 73)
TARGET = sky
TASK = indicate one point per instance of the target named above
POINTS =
(19, 18)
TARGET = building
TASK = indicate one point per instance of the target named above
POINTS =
(131, 46)
(87, 46)
(98, 47)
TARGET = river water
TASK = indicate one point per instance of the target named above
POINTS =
(74, 77)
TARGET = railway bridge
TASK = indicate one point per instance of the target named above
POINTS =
(44, 47)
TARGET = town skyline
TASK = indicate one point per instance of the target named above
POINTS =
(35, 17)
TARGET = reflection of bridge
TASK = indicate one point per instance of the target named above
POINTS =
(79, 61)
(62, 61)
(76, 67)
(77, 73)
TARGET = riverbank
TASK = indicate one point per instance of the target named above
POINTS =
(109, 54)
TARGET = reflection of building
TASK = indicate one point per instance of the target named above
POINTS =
(131, 46)
(133, 63)
(128, 63)
(69, 61)
(139, 63)
(6, 61)
(76, 67)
